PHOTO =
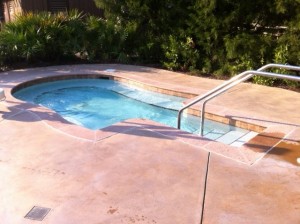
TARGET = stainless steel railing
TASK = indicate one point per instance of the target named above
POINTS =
(235, 81)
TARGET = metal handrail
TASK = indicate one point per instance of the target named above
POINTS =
(235, 81)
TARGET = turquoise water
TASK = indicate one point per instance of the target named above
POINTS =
(98, 103)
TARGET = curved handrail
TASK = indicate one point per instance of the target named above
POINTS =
(281, 66)
(235, 81)
(250, 75)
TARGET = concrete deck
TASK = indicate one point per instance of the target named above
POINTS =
(139, 171)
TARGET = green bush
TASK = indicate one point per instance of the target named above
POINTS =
(52, 37)
(180, 54)
(104, 40)
(40, 37)
(21, 39)
(71, 39)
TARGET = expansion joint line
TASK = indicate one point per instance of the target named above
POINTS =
(204, 189)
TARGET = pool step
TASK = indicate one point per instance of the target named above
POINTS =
(232, 137)
(227, 135)
(239, 142)
(146, 96)
(214, 134)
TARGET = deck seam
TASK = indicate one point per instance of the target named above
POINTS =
(204, 188)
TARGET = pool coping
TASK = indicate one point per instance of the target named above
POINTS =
(270, 134)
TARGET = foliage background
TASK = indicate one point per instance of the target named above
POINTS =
(218, 38)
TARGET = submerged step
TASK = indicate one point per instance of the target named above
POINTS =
(230, 137)
(150, 97)
(244, 139)
(214, 134)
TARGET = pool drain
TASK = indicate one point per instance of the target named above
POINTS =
(37, 213)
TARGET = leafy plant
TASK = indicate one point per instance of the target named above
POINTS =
(180, 54)
(104, 40)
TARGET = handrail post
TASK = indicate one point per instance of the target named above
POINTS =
(202, 119)
(248, 76)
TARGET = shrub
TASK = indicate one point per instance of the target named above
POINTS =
(42, 37)
(47, 37)
(72, 33)
(180, 54)
(104, 40)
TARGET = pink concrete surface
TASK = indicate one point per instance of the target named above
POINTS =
(139, 171)
(137, 176)
(267, 192)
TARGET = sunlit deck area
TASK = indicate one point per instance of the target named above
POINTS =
(140, 171)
